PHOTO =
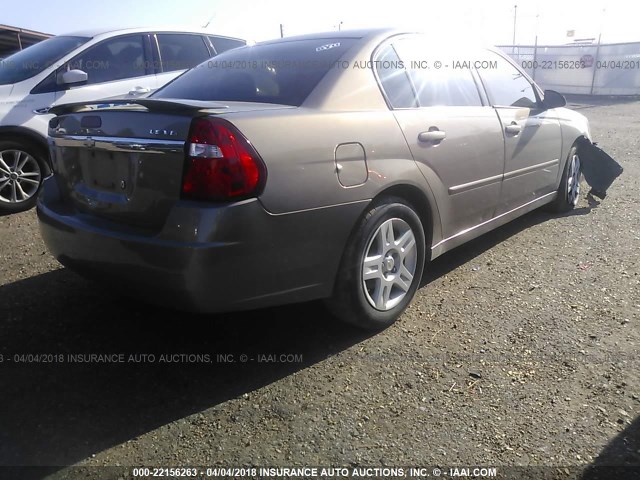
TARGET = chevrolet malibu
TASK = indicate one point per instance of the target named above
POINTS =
(328, 166)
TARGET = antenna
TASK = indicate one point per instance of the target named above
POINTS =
(210, 18)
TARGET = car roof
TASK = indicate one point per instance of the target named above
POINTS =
(373, 36)
(98, 32)
(356, 34)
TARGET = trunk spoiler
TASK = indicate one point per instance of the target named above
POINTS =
(151, 104)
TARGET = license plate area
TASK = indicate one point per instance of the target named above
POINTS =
(107, 171)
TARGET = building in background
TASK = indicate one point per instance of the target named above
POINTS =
(14, 39)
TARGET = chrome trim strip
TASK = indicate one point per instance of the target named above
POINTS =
(121, 144)
(532, 168)
(496, 178)
(475, 184)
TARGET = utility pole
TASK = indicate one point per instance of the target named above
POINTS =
(340, 26)
(515, 16)
(281, 31)
(595, 61)
(535, 47)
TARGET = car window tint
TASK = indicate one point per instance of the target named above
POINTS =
(181, 51)
(506, 85)
(393, 79)
(36, 58)
(115, 59)
(283, 73)
(451, 84)
(222, 44)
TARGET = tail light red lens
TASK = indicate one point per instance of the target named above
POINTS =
(221, 164)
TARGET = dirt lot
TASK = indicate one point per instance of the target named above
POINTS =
(521, 349)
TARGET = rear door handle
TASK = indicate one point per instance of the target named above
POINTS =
(513, 129)
(434, 136)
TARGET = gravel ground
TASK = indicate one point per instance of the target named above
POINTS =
(521, 349)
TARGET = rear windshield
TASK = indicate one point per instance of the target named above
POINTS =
(36, 58)
(283, 73)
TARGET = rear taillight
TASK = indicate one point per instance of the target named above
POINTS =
(220, 163)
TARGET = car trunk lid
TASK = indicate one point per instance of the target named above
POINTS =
(124, 161)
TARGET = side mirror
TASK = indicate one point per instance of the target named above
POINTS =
(553, 99)
(72, 77)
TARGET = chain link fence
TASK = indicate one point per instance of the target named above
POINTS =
(605, 69)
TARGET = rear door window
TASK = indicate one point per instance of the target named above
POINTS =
(438, 76)
(181, 51)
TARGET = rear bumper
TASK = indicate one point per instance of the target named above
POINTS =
(206, 258)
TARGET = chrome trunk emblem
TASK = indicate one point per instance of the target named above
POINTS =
(161, 131)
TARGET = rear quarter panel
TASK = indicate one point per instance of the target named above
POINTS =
(298, 147)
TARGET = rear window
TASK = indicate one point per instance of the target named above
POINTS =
(283, 73)
(33, 60)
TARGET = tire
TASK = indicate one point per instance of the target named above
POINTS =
(569, 190)
(381, 266)
(22, 169)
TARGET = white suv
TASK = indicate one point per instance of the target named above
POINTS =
(81, 67)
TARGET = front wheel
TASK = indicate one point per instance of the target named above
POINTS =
(381, 266)
(21, 173)
(569, 191)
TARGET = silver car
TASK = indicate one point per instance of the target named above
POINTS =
(328, 166)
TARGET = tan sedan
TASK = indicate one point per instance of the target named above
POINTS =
(328, 166)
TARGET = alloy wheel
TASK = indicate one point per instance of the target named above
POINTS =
(389, 264)
(573, 180)
(20, 176)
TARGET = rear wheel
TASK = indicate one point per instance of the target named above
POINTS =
(22, 170)
(569, 191)
(381, 267)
